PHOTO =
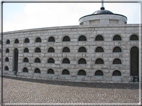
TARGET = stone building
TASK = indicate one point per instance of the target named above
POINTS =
(103, 48)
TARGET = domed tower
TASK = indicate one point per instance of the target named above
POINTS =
(103, 17)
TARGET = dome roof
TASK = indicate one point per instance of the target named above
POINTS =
(103, 11)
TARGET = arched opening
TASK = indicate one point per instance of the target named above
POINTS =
(37, 70)
(15, 61)
(26, 40)
(81, 72)
(6, 59)
(134, 37)
(51, 60)
(51, 39)
(65, 49)
(25, 70)
(26, 50)
(37, 50)
(37, 60)
(51, 50)
(99, 49)
(82, 38)
(99, 61)
(65, 72)
(7, 50)
(117, 49)
(38, 39)
(6, 68)
(116, 73)
(98, 73)
(8, 41)
(99, 38)
(117, 38)
(50, 71)
(26, 60)
(66, 61)
(16, 41)
(66, 39)
(82, 49)
(82, 61)
(116, 61)
(134, 61)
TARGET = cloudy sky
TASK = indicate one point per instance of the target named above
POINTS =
(17, 16)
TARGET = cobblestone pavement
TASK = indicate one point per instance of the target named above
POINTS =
(33, 91)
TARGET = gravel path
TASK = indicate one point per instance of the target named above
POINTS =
(17, 90)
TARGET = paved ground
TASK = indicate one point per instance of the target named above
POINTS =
(31, 91)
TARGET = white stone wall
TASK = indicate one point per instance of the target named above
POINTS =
(73, 32)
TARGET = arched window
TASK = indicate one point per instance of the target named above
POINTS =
(66, 39)
(99, 61)
(26, 50)
(65, 72)
(82, 38)
(82, 61)
(6, 68)
(26, 60)
(50, 71)
(8, 41)
(37, 50)
(26, 40)
(51, 39)
(116, 61)
(51, 50)
(37, 60)
(25, 70)
(81, 72)
(117, 49)
(51, 60)
(117, 38)
(99, 38)
(82, 49)
(66, 61)
(7, 59)
(134, 37)
(116, 73)
(99, 49)
(37, 70)
(66, 49)
(38, 39)
(7, 50)
(16, 41)
(98, 73)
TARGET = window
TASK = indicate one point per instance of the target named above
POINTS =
(81, 72)
(7, 59)
(134, 37)
(82, 61)
(99, 61)
(25, 70)
(16, 41)
(66, 49)
(26, 60)
(51, 50)
(37, 70)
(99, 38)
(26, 40)
(6, 68)
(82, 38)
(51, 39)
(117, 49)
(37, 50)
(8, 41)
(38, 39)
(117, 38)
(66, 61)
(116, 73)
(50, 71)
(65, 72)
(98, 73)
(50, 60)
(116, 61)
(99, 49)
(37, 60)
(66, 39)
(82, 49)
(7, 50)
(26, 50)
